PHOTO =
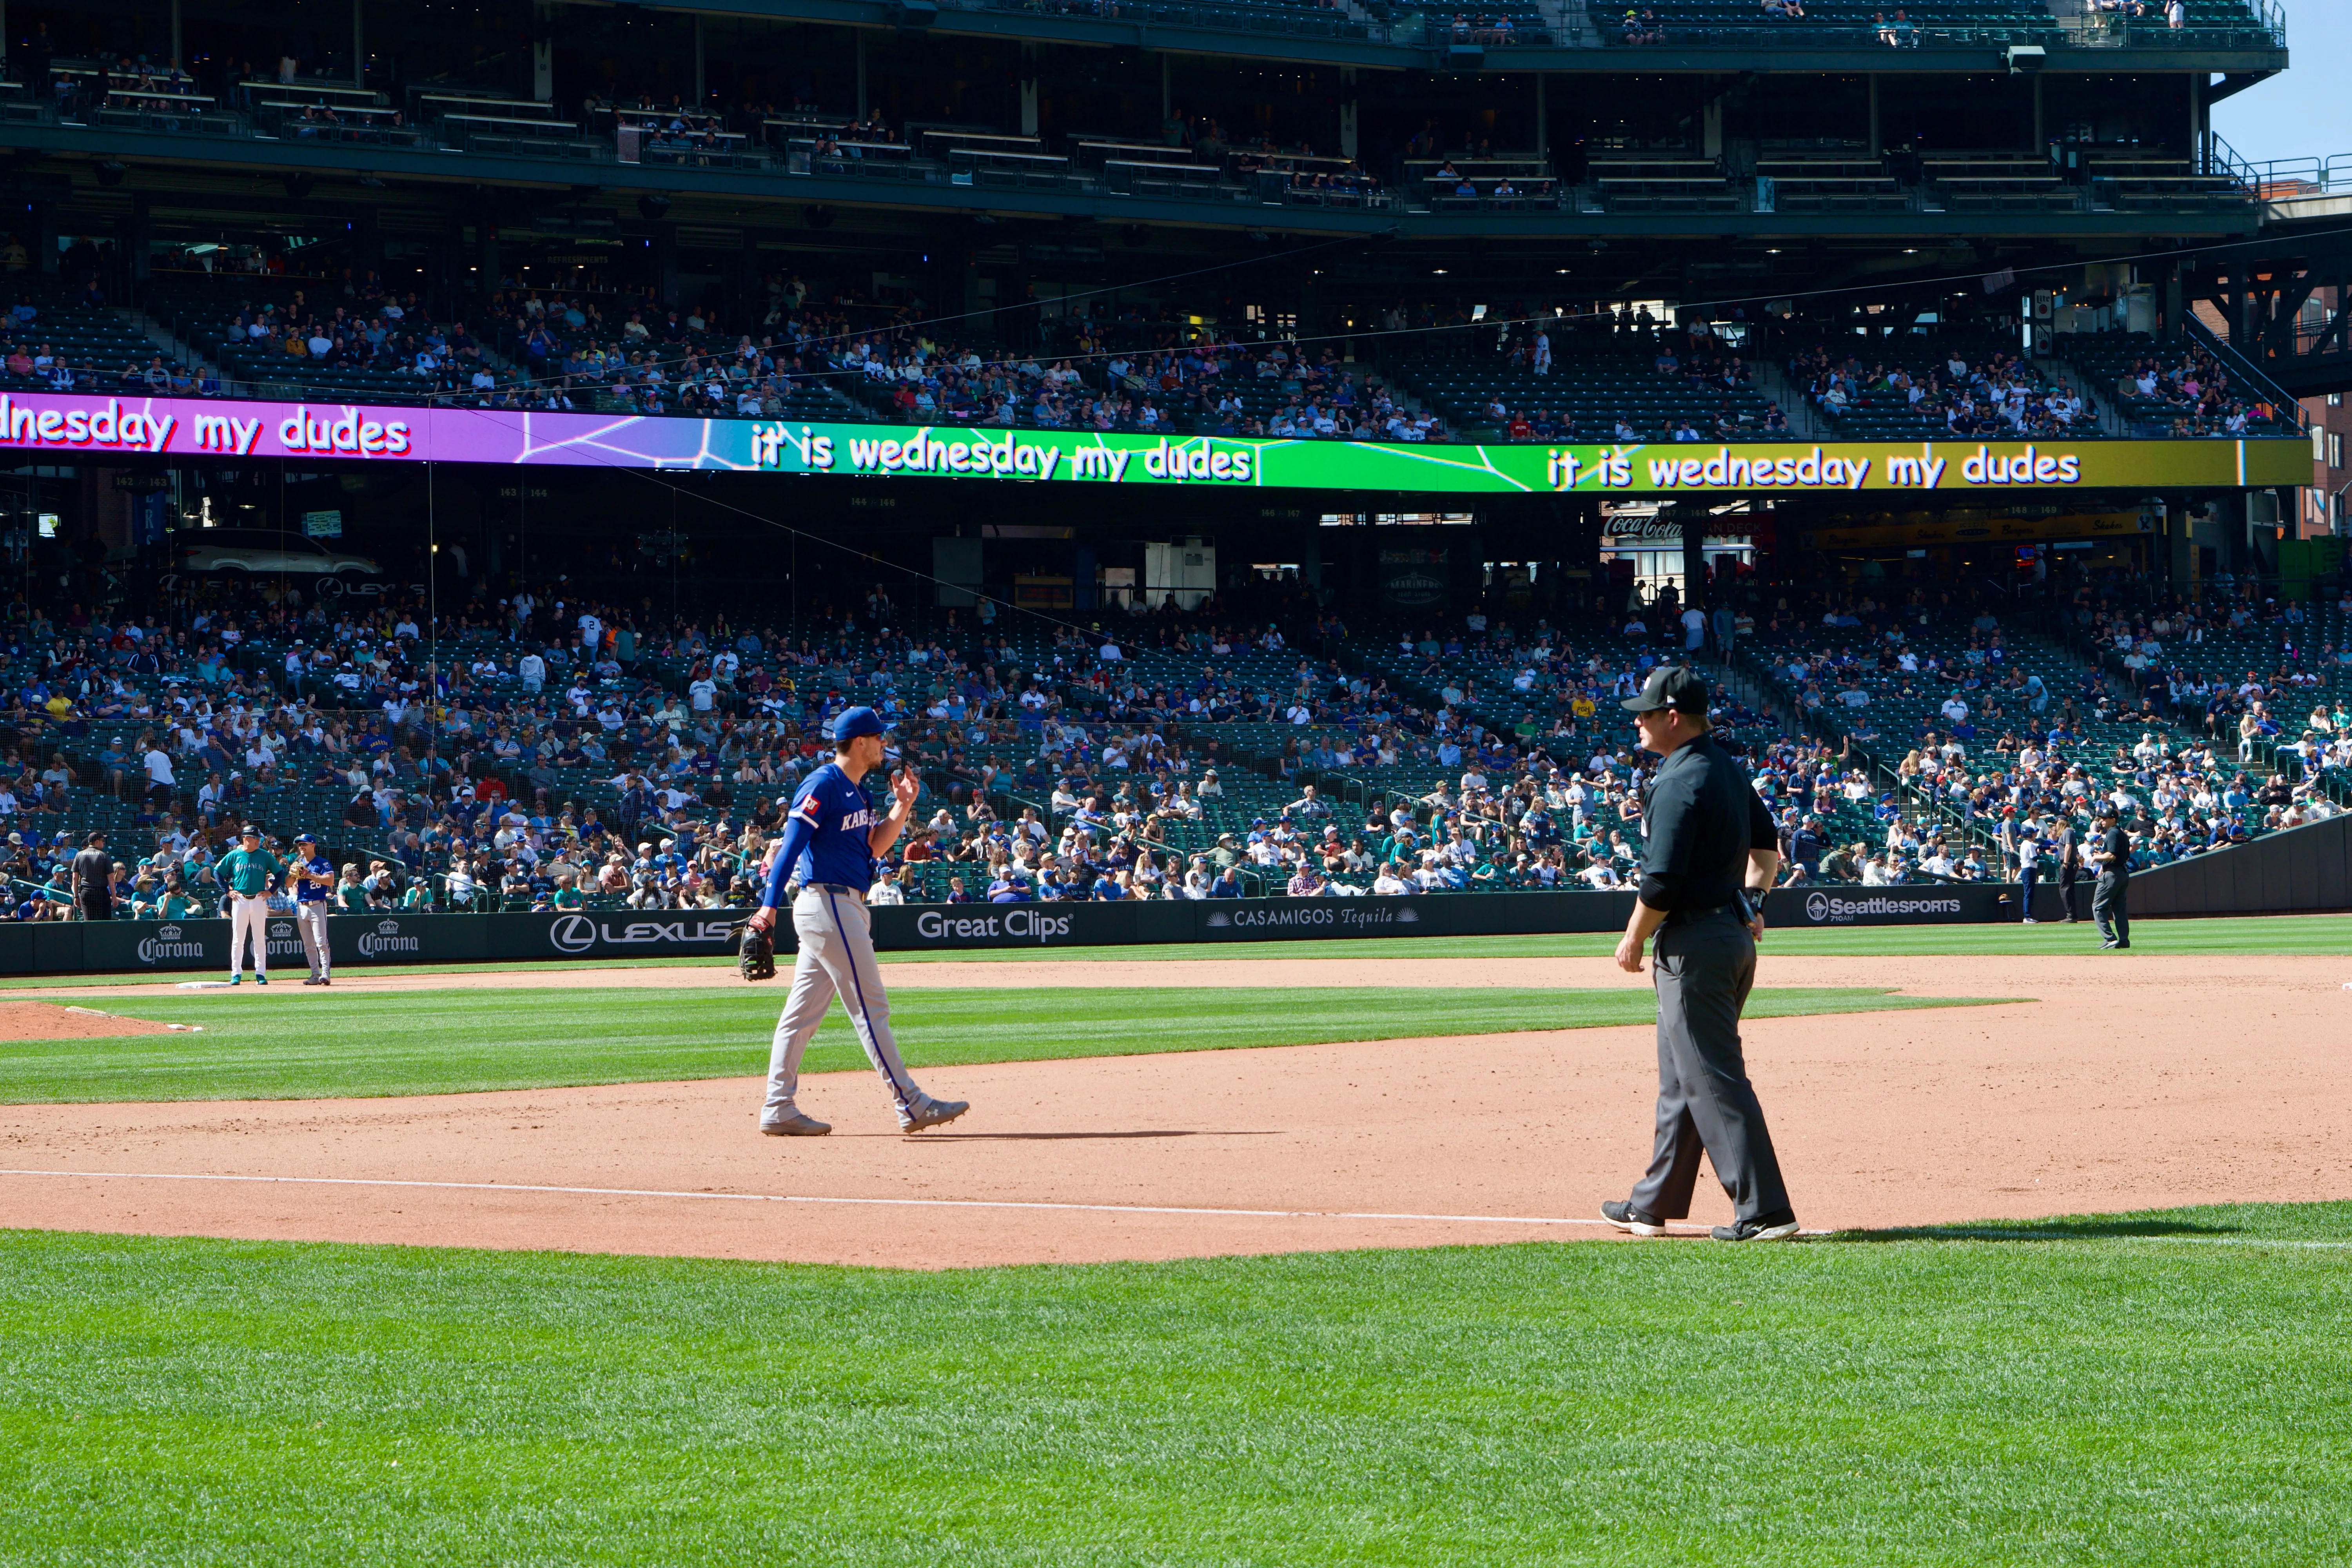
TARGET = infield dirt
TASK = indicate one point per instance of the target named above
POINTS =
(2127, 1083)
(61, 1021)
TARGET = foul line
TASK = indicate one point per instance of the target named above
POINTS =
(799, 1198)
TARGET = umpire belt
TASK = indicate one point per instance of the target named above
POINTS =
(1689, 917)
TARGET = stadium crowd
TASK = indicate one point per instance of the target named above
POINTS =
(2196, 747)
(546, 753)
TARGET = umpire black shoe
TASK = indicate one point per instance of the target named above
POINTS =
(1763, 1227)
(1625, 1217)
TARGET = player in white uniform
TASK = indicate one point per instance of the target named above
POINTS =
(247, 873)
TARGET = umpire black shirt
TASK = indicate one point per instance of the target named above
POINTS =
(1703, 818)
(93, 877)
(2115, 843)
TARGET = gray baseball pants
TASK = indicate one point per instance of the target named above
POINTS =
(837, 958)
(1704, 969)
(310, 920)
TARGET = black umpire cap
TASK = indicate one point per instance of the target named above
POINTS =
(1671, 686)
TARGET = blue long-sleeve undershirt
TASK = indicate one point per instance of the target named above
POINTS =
(797, 835)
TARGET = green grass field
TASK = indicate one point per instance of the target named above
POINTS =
(2290, 935)
(288, 1043)
(2167, 1389)
(2155, 1388)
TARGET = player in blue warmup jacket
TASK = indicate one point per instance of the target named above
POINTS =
(832, 837)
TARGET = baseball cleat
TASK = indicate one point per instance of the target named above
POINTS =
(1626, 1218)
(261, 980)
(930, 1112)
(795, 1124)
(1775, 1227)
(314, 980)
(237, 980)
(326, 980)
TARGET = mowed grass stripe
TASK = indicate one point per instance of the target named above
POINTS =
(309, 1045)
(2281, 935)
(2270, 935)
(1917, 1402)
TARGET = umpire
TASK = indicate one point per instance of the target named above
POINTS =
(93, 880)
(2111, 896)
(1713, 854)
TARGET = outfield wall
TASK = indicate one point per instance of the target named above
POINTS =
(360, 942)
(2302, 870)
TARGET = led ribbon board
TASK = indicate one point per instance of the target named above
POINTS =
(67, 425)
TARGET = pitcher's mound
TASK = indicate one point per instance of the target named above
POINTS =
(51, 1020)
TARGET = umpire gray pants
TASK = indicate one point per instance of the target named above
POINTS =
(837, 958)
(1703, 969)
(2111, 907)
(310, 920)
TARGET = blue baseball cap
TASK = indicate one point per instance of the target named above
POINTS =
(304, 839)
(856, 721)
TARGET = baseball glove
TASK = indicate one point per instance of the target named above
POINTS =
(758, 960)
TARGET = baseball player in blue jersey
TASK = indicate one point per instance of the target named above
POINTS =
(313, 876)
(832, 837)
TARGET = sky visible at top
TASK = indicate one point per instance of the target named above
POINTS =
(2298, 113)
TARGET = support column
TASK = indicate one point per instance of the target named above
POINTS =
(175, 33)
(2196, 149)
(1167, 90)
(447, 280)
(750, 298)
(1694, 560)
(2041, 133)
(44, 238)
(542, 50)
(1348, 121)
(138, 230)
(665, 264)
(358, 43)
(1028, 88)
(1875, 148)
(369, 238)
(701, 93)
(1543, 114)
(861, 73)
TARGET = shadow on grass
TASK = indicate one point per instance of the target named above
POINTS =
(2081, 1227)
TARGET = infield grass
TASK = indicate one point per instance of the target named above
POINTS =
(2283, 935)
(2148, 1389)
(287, 1043)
